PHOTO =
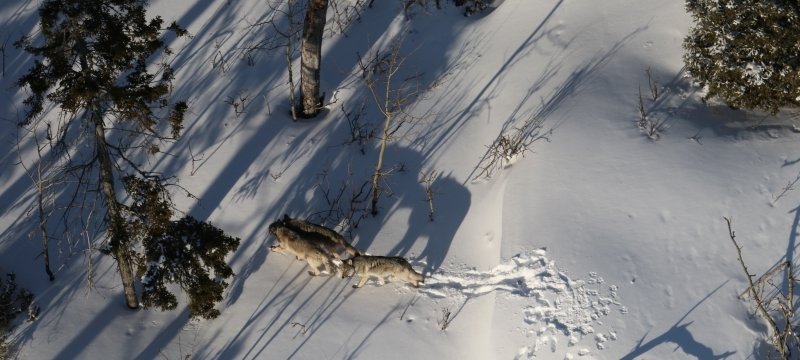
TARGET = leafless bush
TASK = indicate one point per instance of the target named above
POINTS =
(195, 160)
(427, 179)
(647, 123)
(392, 95)
(510, 145)
(346, 204)
(652, 84)
(444, 319)
(376, 64)
(344, 13)
(45, 186)
(360, 132)
(238, 102)
(772, 302)
(285, 36)
(650, 127)
(219, 62)
(789, 187)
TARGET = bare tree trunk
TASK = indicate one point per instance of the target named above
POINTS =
(384, 140)
(40, 189)
(311, 55)
(390, 104)
(41, 186)
(43, 229)
(292, 101)
(116, 228)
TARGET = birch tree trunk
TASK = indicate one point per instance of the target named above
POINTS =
(311, 56)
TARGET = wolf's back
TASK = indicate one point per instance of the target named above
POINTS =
(323, 233)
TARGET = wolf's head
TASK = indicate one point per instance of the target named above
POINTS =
(347, 268)
(419, 277)
(274, 227)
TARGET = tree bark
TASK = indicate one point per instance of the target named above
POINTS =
(118, 239)
(387, 113)
(43, 229)
(311, 55)
(41, 187)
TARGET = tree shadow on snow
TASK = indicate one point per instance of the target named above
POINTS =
(451, 201)
(302, 303)
(680, 335)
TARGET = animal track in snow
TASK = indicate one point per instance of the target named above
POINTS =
(560, 307)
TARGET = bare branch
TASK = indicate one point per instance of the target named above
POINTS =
(778, 336)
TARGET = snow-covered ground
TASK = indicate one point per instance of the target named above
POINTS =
(600, 243)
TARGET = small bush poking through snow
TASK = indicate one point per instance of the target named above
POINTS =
(13, 301)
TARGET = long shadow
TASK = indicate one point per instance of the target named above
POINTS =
(257, 353)
(354, 354)
(252, 266)
(332, 303)
(533, 121)
(791, 246)
(165, 338)
(680, 335)
(20, 18)
(524, 48)
(283, 298)
(233, 343)
(437, 227)
(91, 330)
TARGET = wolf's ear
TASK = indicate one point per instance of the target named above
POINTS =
(286, 217)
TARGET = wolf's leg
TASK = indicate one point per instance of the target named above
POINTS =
(361, 282)
(314, 266)
(328, 267)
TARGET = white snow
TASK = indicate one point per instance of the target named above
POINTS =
(600, 243)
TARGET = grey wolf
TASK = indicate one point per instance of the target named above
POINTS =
(303, 249)
(327, 238)
(382, 267)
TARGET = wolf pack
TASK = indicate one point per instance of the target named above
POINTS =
(322, 248)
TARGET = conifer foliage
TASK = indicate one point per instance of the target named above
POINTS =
(97, 62)
(186, 252)
(745, 51)
(95, 57)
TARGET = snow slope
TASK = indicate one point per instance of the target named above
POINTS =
(598, 244)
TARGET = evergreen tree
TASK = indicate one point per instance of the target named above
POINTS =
(95, 63)
(745, 51)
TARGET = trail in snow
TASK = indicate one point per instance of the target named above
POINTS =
(559, 307)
